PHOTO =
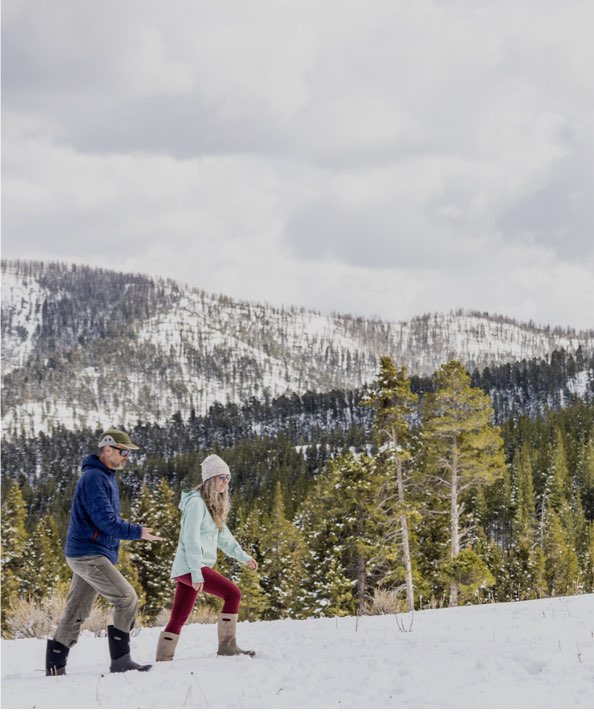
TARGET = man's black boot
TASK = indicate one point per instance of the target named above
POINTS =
(119, 651)
(56, 655)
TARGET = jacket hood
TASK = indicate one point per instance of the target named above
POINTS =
(186, 497)
(92, 461)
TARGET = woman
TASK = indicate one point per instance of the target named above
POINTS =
(204, 514)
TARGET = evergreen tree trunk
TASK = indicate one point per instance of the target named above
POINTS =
(410, 597)
(361, 582)
(454, 526)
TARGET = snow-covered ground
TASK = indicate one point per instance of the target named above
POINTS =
(537, 654)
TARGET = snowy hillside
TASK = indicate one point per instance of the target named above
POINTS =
(536, 654)
(84, 347)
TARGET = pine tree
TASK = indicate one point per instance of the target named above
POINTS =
(130, 571)
(558, 525)
(470, 573)
(343, 524)
(580, 462)
(282, 548)
(393, 403)
(254, 602)
(327, 589)
(524, 519)
(561, 565)
(463, 448)
(585, 477)
(14, 541)
(558, 485)
(524, 563)
(156, 508)
(43, 566)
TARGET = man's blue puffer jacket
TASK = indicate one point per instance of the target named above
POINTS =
(95, 526)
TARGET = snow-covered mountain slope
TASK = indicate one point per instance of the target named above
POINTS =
(536, 654)
(86, 347)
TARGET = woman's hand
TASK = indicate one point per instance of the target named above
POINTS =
(198, 587)
(252, 564)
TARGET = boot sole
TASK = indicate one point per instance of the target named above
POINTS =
(143, 668)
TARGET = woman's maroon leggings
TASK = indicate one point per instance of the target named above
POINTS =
(185, 597)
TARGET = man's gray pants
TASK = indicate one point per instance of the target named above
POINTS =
(95, 575)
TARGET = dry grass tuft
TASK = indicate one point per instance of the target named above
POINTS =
(386, 602)
(30, 618)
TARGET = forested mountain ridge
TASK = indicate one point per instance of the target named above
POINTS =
(189, 374)
(82, 347)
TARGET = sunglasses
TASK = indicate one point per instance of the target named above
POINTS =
(123, 452)
(224, 477)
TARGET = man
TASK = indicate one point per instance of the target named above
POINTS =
(92, 547)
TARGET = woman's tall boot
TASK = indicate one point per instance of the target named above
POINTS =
(226, 628)
(166, 646)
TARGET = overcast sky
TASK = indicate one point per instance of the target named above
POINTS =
(384, 158)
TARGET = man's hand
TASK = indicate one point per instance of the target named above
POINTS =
(147, 534)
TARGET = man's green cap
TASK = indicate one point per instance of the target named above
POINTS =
(115, 437)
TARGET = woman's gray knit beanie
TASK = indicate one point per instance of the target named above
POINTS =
(214, 465)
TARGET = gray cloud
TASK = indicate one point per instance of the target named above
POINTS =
(377, 236)
(558, 214)
(383, 142)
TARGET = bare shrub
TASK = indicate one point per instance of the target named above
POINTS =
(30, 618)
(386, 602)
(98, 621)
(436, 603)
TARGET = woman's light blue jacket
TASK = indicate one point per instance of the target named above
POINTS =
(199, 539)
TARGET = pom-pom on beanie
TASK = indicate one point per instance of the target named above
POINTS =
(213, 465)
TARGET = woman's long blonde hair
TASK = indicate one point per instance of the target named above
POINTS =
(218, 504)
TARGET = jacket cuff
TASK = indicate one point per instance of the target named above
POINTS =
(197, 576)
